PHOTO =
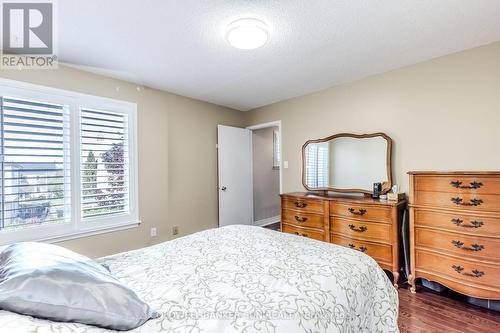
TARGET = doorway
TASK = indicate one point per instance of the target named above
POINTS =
(266, 173)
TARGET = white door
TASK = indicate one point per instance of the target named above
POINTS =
(235, 175)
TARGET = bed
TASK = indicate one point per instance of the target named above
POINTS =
(246, 279)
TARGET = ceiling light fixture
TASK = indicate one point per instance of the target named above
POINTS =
(247, 33)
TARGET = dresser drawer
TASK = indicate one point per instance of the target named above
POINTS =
(360, 212)
(304, 232)
(380, 252)
(470, 224)
(468, 247)
(462, 270)
(479, 202)
(304, 205)
(361, 229)
(458, 184)
(303, 219)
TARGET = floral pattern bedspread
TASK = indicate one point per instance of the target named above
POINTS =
(247, 279)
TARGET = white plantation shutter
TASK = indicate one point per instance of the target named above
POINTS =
(104, 163)
(35, 168)
(317, 165)
(322, 162)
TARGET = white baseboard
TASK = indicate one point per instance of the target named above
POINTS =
(268, 221)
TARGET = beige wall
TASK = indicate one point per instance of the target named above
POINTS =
(192, 166)
(177, 157)
(266, 180)
(442, 114)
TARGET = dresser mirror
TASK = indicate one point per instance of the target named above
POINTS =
(347, 163)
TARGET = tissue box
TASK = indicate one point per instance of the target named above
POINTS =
(395, 196)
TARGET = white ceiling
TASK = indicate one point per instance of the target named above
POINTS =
(179, 45)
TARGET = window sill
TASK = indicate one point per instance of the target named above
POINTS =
(92, 232)
(83, 233)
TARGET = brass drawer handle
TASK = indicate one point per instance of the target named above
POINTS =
(473, 202)
(474, 273)
(473, 247)
(360, 229)
(299, 234)
(360, 212)
(473, 185)
(473, 224)
(299, 204)
(361, 248)
(300, 219)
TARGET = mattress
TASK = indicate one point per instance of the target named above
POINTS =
(246, 279)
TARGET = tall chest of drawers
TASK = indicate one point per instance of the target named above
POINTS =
(363, 224)
(455, 231)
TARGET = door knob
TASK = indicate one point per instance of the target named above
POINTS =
(224, 188)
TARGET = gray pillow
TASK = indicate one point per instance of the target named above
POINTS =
(50, 282)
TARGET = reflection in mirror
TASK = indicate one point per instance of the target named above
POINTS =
(346, 162)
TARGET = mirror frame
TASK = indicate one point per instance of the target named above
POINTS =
(386, 186)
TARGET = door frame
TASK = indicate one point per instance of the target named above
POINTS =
(276, 123)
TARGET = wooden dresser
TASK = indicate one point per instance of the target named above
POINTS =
(455, 231)
(364, 224)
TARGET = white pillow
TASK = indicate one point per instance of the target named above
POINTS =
(50, 282)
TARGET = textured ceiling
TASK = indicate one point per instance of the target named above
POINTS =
(179, 45)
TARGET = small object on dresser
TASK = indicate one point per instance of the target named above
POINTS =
(395, 196)
(383, 197)
(377, 188)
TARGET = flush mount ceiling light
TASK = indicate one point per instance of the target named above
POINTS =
(247, 33)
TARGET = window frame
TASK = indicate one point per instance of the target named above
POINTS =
(78, 227)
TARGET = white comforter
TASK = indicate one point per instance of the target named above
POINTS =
(247, 279)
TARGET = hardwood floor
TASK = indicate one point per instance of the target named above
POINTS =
(274, 226)
(428, 311)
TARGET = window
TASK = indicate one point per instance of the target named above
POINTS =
(67, 163)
